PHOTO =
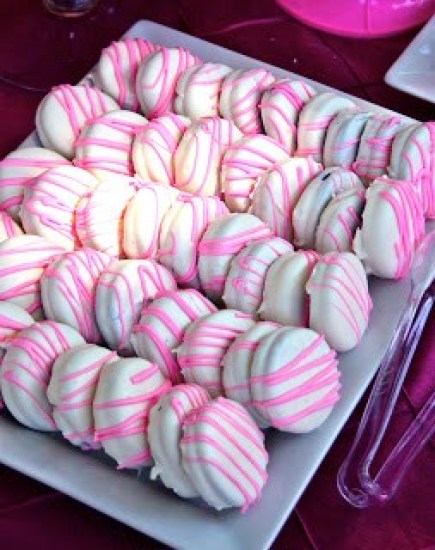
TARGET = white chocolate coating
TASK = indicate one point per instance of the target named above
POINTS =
(164, 435)
(339, 222)
(236, 371)
(245, 281)
(340, 303)
(157, 78)
(49, 204)
(204, 345)
(294, 379)
(162, 325)
(279, 189)
(315, 198)
(285, 299)
(280, 106)
(223, 454)
(198, 157)
(26, 371)
(18, 168)
(314, 120)
(242, 165)
(8, 227)
(64, 111)
(343, 138)
(126, 391)
(71, 392)
(143, 217)
(240, 97)
(223, 239)
(117, 68)
(124, 288)
(104, 146)
(155, 145)
(198, 90)
(12, 319)
(68, 288)
(182, 227)
(22, 263)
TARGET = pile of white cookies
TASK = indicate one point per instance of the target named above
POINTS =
(126, 230)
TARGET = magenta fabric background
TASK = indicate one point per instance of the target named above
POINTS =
(33, 516)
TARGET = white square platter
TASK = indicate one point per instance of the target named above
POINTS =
(145, 505)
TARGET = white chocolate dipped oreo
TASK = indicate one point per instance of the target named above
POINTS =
(242, 165)
(294, 379)
(64, 111)
(26, 370)
(8, 227)
(124, 288)
(204, 345)
(71, 392)
(278, 191)
(12, 319)
(340, 302)
(314, 121)
(198, 90)
(240, 97)
(223, 454)
(280, 106)
(315, 198)
(127, 390)
(164, 435)
(198, 157)
(285, 299)
(182, 227)
(248, 271)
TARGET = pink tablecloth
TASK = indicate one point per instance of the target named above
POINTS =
(34, 516)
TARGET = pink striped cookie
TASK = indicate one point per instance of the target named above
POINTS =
(198, 90)
(245, 281)
(104, 146)
(18, 169)
(155, 145)
(22, 263)
(339, 221)
(343, 138)
(117, 68)
(224, 238)
(240, 97)
(68, 288)
(123, 289)
(64, 111)
(26, 371)
(278, 191)
(374, 152)
(8, 228)
(71, 392)
(236, 368)
(314, 120)
(223, 454)
(12, 319)
(162, 325)
(49, 204)
(157, 78)
(242, 165)
(143, 217)
(280, 106)
(413, 159)
(182, 227)
(315, 198)
(294, 379)
(99, 215)
(392, 227)
(164, 435)
(127, 390)
(198, 157)
(285, 299)
(340, 302)
(204, 345)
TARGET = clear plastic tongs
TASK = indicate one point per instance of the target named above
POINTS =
(355, 481)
